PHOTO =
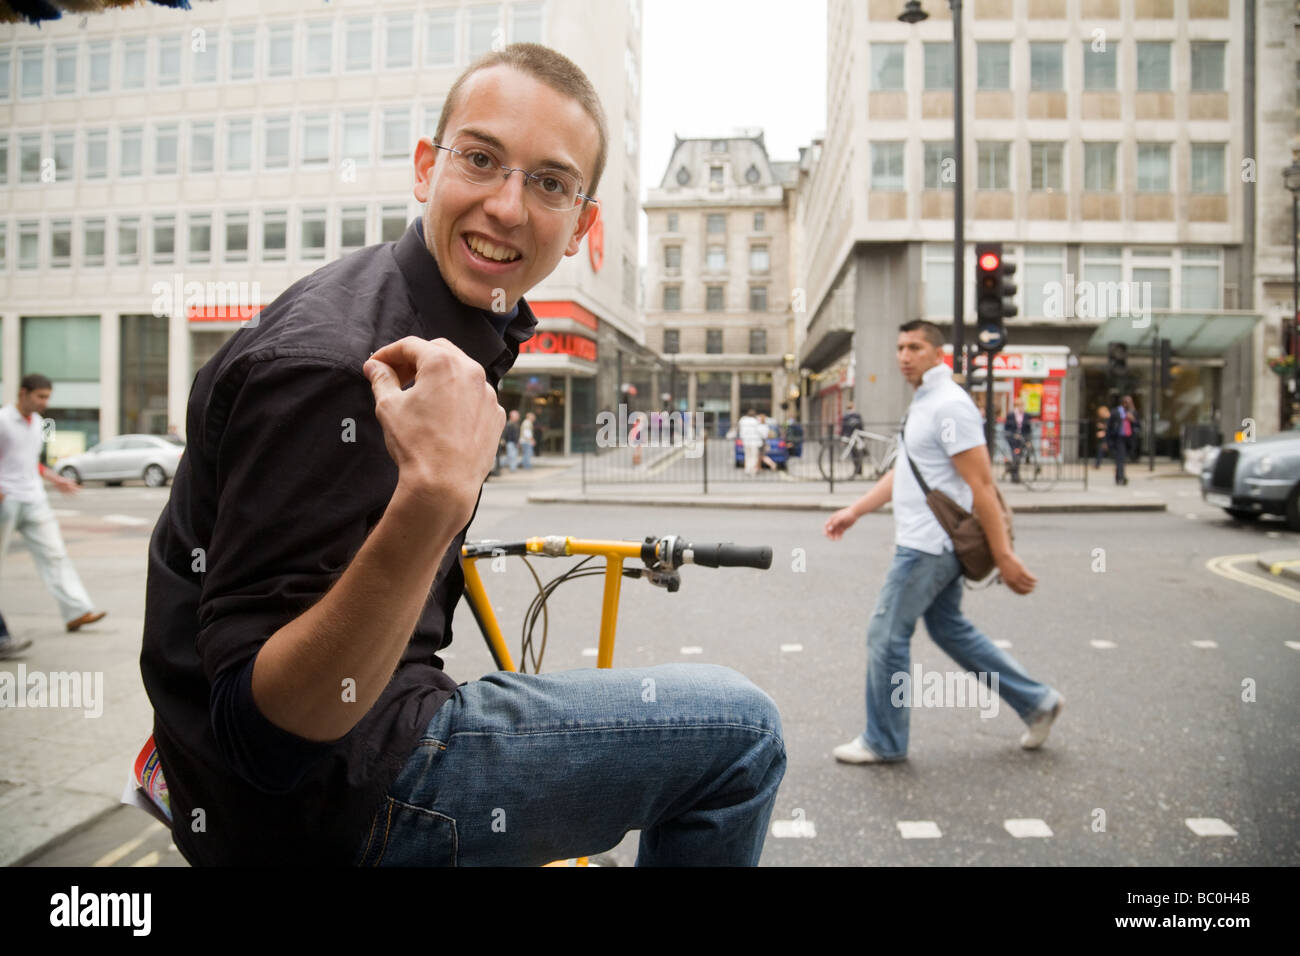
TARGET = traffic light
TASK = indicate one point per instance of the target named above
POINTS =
(992, 294)
(1117, 358)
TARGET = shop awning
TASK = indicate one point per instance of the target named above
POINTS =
(1193, 334)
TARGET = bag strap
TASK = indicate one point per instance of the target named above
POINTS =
(925, 489)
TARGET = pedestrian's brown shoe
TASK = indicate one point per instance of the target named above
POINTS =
(90, 617)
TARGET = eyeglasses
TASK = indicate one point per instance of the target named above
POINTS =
(555, 189)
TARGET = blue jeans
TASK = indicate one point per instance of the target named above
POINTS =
(512, 455)
(528, 453)
(929, 586)
(530, 768)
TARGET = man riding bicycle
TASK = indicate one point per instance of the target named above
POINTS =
(303, 576)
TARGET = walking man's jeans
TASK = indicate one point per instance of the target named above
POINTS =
(525, 769)
(929, 586)
(512, 455)
(36, 523)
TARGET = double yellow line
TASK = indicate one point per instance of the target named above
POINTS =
(1226, 566)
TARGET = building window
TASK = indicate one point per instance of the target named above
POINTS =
(887, 166)
(1153, 66)
(65, 148)
(1207, 66)
(717, 223)
(1207, 168)
(63, 347)
(29, 244)
(203, 67)
(4, 159)
(356, 138)
(1044, 271)
(440, 38)
(352, 228)
(60, 243)
(758, 341)
(316, 139)
(1159, 285)
(672, 341)
(716, 260)
(994, 161)
(236, 237)
(939, 160)
(31, 72)
(672, 222)
(1103, 264)
(1202, 286)
(239, 145)
(397, 132)
(243, 53)
(672, 298)
(275, 235)
(92, 243)
(29, 158)
(484, 23)
(938, 66)
(358, 44)
(96, 154)
(993, 66)
(130, 151)
(1045, 166)
(275, 142)
(759, 260)
(399, 48)
(760, 222)
(101, 66)
(887, 66)
(526, 23)
(1100, 65)
(392, 223)
(714, 298)
(718, 146)
(938, 281)
(1099, 169)
(672, 257)
(169, 61)
(1153, 167)
(65, 70)
(1046, 66)
(715, 175)
(713, 341)
(166, 149)
(279, 50)
(431, 116)
(320, 46)
(312, 239)
(200, 244)
(164, 241)
(4, 247)
(758, 298)
(201, 147)
(128, 241)
(629, 282)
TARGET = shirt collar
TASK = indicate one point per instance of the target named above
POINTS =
(441, 314)
(933, 376)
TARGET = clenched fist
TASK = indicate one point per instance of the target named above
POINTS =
(442, 432)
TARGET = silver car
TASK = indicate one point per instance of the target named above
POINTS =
(152, 458)
(1248, 479)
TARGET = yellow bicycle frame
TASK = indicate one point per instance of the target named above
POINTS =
(614, 552)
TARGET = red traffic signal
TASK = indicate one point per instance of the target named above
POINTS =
(990, 261)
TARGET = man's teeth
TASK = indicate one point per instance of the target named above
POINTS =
(490, 251)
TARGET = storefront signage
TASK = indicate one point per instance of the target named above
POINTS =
(553, 343)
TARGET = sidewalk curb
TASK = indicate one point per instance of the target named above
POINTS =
(1285, 564)
(63, 836)
(771, 504)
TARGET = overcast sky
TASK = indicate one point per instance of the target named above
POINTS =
(710, 66)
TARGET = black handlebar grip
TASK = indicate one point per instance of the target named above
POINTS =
(732, 556)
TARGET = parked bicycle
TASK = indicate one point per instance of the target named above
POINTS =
(1036, 472)
(876, 454)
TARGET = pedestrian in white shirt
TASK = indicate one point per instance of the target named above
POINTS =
(944, 438)
(24, 507)
(752, 438)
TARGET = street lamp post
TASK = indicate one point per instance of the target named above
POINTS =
(1291, 176)
(912, 13)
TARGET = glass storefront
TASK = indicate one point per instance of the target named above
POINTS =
(713, 399)
(143, 375)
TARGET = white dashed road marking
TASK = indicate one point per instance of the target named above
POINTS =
(1027, 828)
(794, 828)
(126, 519)
(918, 830)
(1002, 644)
(692, 650)
(1204, 644)
(1209, 826)
(64, 512)
(791, 648)
(112, 856)
(589, 652)
(1294, 645)
(1103, 645)
(152, 858)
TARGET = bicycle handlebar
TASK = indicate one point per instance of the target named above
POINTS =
(728, 556)
(666, 553)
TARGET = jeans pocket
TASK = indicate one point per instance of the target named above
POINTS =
(405, 835)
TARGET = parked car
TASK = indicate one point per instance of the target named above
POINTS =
(151, 458)
(780, 449)
(1248, 479)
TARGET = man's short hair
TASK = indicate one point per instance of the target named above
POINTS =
(34, 382)
(546, 66)
(933, 334)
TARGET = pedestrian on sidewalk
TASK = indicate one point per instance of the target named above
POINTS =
(752, 438)
(26, 509)
(1120, 434)
(944, 438)
(1020, 432)
(512, 441)
(850, 422)
(1101, 432)
(527, 442)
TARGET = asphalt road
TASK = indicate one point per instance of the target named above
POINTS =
(1179, 683)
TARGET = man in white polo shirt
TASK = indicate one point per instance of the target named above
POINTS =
(24, 507)
(944, 438)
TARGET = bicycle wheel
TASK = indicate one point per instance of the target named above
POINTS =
(824, 460)
(1039, 475)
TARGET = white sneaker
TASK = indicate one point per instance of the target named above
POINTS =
(855, 752)
(1039, 728)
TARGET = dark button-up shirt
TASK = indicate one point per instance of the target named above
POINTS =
(284, 476)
